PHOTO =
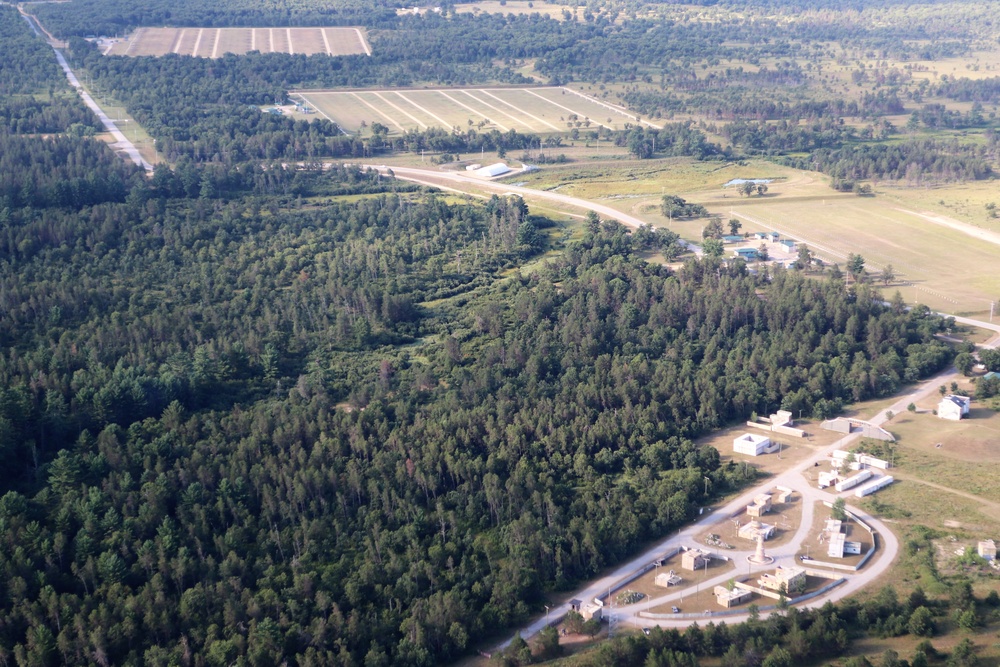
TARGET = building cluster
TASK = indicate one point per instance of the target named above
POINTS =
(865, 481)
(780, 250)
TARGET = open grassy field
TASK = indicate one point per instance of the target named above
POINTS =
(216, 42)
(945, 258)
(541, 110)
(934, 264)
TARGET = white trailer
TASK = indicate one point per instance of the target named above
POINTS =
(853, 480)
(876, 485)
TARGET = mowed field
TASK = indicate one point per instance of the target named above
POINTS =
(945, 262)
(215, 42)
(935, 264)
(536, 110)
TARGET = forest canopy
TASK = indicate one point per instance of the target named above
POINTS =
(209, 437)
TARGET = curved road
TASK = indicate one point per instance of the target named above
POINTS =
(793, 478)
(437, 178)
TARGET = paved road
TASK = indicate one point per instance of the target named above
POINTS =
(793, 478)
(121, 141)
(437, 178)
(806, 493)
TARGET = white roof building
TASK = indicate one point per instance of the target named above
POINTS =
(828, 478)
(839, 546)
(492, 170)
(752, 444)
(954, 407)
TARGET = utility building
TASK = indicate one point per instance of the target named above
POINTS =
(667, 579)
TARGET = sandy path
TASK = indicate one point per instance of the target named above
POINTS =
(957, 225)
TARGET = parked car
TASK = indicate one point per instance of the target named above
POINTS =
(676, 610)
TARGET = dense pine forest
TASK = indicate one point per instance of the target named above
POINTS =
(258, 412)
(205, 401)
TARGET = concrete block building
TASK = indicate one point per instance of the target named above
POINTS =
(752, 444)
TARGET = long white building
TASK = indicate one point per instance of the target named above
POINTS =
(873, 486)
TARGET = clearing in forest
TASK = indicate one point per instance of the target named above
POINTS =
(540, 110)
(216, 42)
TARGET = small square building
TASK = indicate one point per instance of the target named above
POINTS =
(667, 579)
(589, 611)
(987, 549)
(695, 559)
(730, 598)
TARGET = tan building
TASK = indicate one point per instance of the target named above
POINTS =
(761, 505)
(589, 611)
(667, 579)
(784, 494)
(730, 598)
(988, 549)
(754, 528)
(695, 559)
(787, 577)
